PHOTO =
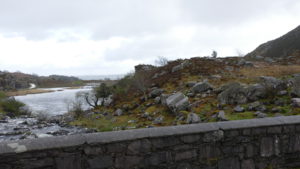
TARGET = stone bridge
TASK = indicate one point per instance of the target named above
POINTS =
(269, 143)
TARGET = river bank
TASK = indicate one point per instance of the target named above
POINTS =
(47, 114)
(28, 127)
(27, 91)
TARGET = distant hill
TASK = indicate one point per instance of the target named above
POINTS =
(280, 48)
(18, 80)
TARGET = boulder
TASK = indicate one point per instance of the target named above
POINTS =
(254, 106)
(158, 120)
(163, 98)
(221, 116)
(239, 109)
(176, 68)
(295, 86)
(108, 101)
(272, 84)
(282, 93)
(243, 62)
(234, 93)
(177, 102)
(155, 92)
(157, 100)
(180, 66)
(201, 87)
(190, 84)
(193, 118)
(118, 112)
(260, 114)
(295, 102)
(255, 92)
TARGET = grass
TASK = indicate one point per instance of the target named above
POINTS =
(27, 91)
(273, 70)
(104, 123)
(240, 116)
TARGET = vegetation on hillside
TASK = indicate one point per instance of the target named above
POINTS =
(138, 97)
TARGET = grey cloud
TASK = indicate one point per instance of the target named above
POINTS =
(34, 19)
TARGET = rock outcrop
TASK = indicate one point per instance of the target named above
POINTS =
(176, 102)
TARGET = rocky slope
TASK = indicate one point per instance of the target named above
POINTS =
(284, 47)
(198, 90)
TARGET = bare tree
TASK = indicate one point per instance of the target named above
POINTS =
(89, 97)
(239, 53)
(141, 82)
(214, 54)
(161, 61)
(97, 96)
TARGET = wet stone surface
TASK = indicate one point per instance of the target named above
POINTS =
(30, 127)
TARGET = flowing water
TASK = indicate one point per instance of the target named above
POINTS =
(53, 103)
(47, 104)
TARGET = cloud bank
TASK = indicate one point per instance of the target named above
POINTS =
(77, 37)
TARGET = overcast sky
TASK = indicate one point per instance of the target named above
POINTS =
(100, 37)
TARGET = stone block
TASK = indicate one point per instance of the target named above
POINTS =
(190, 138)
(294, 144)
(37, 163)
(3, 166)
(213, 136)
(138, 147)
(266, 147)
(229, 163)
(100, 162)
(157, 158)
(248, 164)
(165, 142)
(274, 130)
(250, 150)
(209, 152)
(246, 132)
(69, 162)
(128, 162)
(92, 150)
(185, 155)
(259, 131)
(289, 129)
(116, 148)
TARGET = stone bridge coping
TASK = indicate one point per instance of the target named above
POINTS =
(7, 147)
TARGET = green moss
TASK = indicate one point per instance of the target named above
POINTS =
(240, 116)
(151, 109)
(103, 123)
(2, 95)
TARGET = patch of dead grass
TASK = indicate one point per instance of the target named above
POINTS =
(271, 70)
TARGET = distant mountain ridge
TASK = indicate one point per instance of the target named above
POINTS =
(280, 48)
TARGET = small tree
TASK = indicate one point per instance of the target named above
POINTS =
(103, 91)
(214, 54)
(141, 82)
(98, 94)
(161, 61)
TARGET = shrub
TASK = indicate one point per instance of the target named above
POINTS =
(12, 106)
(2, 95)
(161, 61)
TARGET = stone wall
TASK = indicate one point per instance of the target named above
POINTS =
(268, 143)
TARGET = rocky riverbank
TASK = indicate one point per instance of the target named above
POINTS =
(27, 127)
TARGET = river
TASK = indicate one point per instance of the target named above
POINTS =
(49, 105)
(53, 103)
